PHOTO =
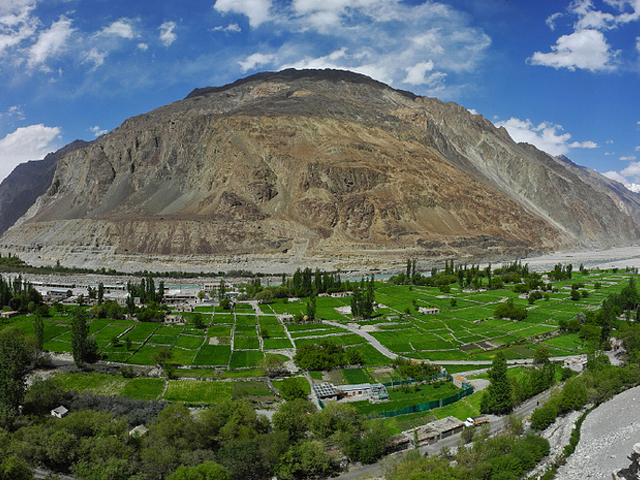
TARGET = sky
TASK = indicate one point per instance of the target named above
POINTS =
(563, 75)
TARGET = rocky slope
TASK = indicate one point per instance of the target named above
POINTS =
(328, 168)
(26, 183)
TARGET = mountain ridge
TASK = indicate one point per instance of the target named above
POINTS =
(321, 167)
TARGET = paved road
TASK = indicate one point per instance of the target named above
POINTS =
(496, 424)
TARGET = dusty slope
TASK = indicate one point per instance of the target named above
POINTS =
(318, 167)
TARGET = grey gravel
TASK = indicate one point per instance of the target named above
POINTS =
(607, 438)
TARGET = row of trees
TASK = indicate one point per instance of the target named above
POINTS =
(228, 440)
(326, 356)
(19, 294)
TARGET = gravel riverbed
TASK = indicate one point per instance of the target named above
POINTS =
(606, 439)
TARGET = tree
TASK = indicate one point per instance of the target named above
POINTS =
(15, 358)
(311, 308)
(100, 293)
(79, 332)
(293, 417)
(273, 365)
(541, 354)
(291, 389)
(498, 396)
(204, 471)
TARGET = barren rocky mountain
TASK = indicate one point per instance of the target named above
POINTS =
(327, 168)
(26, 183)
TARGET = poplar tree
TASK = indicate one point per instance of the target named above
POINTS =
(498, 397)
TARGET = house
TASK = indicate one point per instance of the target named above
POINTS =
(324, 391)
(59, 412)
(434, 431)
(375, 392)
(429, 311)
(8, 314)
(341, 294)
(59, 293)
(344, 310)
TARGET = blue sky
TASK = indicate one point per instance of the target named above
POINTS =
(563, 75)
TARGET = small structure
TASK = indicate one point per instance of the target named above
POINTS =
(293, 299)
(138, 431)
(8, 314)
(56, 293)
(429, 310)
(175, 320)
(432, 432)
(375, 392)
(344, 310)
(324, 391)
(577, 364)
(458, 380)
(341, 294)
(59, 412)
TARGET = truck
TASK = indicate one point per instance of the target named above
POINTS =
(475, 421)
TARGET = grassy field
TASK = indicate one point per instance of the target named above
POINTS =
(465, 328)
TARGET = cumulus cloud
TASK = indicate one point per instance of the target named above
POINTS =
(97, 131)
(167, 36)
(545, 136)
(121, 28)
(417, 74)
(50, 42)
(256, 60)
(586, 49)
(143, 47)
(26, 143)
(628, 157)
(629, 176)
(258, 11)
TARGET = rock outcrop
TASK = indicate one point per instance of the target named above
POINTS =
(327, 168)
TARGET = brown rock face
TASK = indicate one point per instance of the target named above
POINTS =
(319, 167)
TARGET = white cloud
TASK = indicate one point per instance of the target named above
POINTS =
(120, 28)
(638, 148)
(232, 27)
(628, 157)
(472, 111)
(258, 11)
(167, 36)
(95, 57)
(551, 20)
(14, 111)
(256, 60)
(587, 144)
(384, 39)
(544, 136)
(50, 42)
(628, 176)
(585, 49)
(97, 131)
(16, 24)
(142, 47)
(416, 74)
(26, 143)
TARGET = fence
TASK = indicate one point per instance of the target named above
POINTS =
(424, 407)
(410, 381)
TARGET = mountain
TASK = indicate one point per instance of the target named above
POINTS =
(318, 167)
(26, 183)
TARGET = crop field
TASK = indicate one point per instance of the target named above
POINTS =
(464, 329)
